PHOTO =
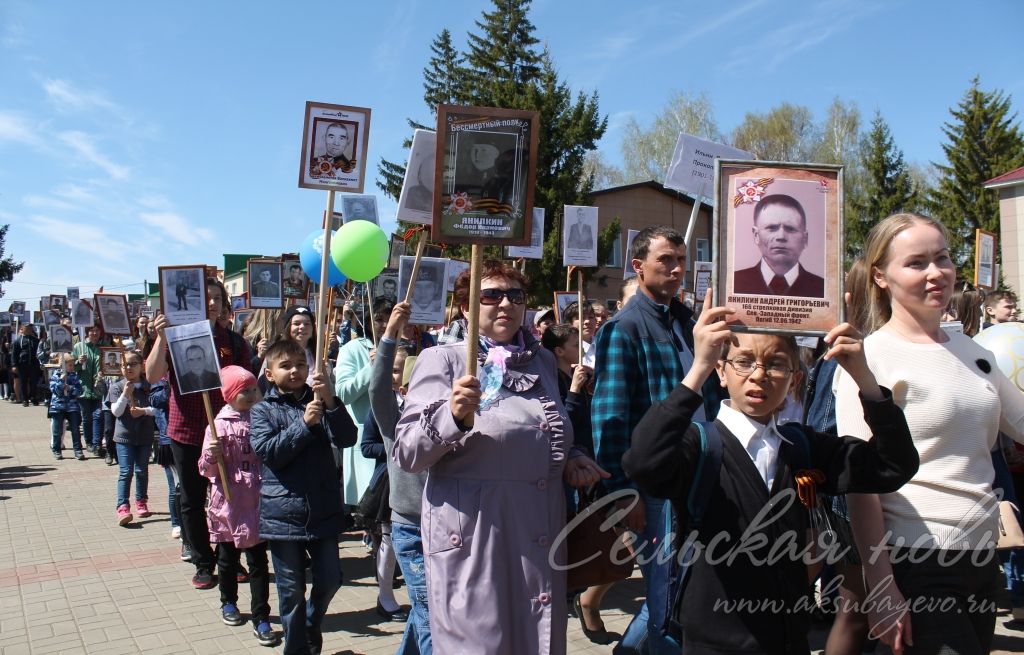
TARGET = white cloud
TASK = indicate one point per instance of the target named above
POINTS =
(177, 227)
(81, 236)
(68, 98)
(85, 145)
(47, 202)
(15, 128)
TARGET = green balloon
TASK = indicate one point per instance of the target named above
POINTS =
(360, 250)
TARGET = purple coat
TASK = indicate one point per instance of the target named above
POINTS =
(236, 522)
(493, 505)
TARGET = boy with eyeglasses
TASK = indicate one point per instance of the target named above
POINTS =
(748, 590)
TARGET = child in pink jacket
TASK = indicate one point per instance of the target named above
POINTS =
(235, 525)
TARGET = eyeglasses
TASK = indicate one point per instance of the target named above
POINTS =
(746, 368)
(494, 296)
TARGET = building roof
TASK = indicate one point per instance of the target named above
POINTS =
(656, 186)
(1012, 178)
(235, 264)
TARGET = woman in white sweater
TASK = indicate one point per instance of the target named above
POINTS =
(935, 537)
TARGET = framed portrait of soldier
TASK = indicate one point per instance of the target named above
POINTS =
(359, 207)
(536, 248)
(779, 230)
(385, 286)
(428, 293)
(58, 302)
(44, 303)
(296, 284)
(562, 300)
(415, 203)
(265, 284)
(110, 360)
(985, 260)
(194, 357)
(396, 248)
(82, 315)
(51, 317)
(334, 144)
(484, 174)
(113, 312)
(17, 307)
(579, 236)
(183, 293)
(6, 319)
(60, 339)
(73, 293)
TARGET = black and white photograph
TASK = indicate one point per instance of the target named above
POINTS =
(359, 207)
(194, 357)
(334, 144)
(579, 236)
(562, 300)
(396, 250)
(60, 339)
(296, 284)
(58, 302)
(183, 293)
(44, 303)
(113, 311)
(265, 284)
(73, 293)
(984, 259)
(385, 286)
(416, 202)
(6, 319)
(428, 293)
(627, 255)
(51, 317)
(110, 360)
(237, 303)
(455, 266)
(24, 317)
(536, 248)
(82, 315)
(702, 273)
(17, 307)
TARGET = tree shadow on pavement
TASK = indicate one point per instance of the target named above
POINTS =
(14, 477)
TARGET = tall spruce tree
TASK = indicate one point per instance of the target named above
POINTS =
(984, 141)
(8, 267)
(503, 60)
(887, 185)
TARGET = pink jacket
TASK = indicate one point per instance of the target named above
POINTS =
(239, 520)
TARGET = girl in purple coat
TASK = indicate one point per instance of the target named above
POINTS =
(235, 525)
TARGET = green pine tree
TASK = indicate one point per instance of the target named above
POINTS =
(8, 267)
(887, 186)
(984, 141)
(503, 62)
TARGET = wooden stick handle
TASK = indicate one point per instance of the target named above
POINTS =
(579, 312)
(473, 320)
(416, 265)
(322, 305)
(215, 439)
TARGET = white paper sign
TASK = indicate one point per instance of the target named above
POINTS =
(194, 357)
(579, 236)
(429, 292)
(73, 293)
(693, 164)
(627, 257)
(701, 279)
(416, 203)
(536, 248)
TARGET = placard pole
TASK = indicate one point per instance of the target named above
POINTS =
(580, 313)
(215, 440)
(324, 286)
(473, 320)
(416, 266)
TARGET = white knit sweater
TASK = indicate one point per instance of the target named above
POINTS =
(954, 410)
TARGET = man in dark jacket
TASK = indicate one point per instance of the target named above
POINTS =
(26, 366)
(301, 510)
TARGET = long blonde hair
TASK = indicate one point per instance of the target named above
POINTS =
(876, 256)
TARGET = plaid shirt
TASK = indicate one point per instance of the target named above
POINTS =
(637, 364)
(186, 414)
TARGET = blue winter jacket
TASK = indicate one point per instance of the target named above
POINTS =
(300, 499)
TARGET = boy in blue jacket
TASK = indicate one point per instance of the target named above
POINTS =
(301, 511)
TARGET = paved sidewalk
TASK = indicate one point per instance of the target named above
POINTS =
(73, 581)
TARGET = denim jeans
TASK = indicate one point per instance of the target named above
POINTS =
(92, 420)
(133, 459)
(192, 504)
(228, 558)
(408, 545)
(302, 619)
(172, 496)
(74, 421)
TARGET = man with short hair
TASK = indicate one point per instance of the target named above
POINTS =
(780, 233)
(197, 375)
(264, 286)
(581, 237)
(25, 365)
(336, 141)
(641, 354)
(1000, 307)
(425, 296)
(87, 365)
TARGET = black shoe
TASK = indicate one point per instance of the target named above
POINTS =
(80, 456)
(109, 459)
(602, 636)
(203, 579)
(401, 615)
(265, 635)
(229, 613)
(24, 404)
(186, 552)
(101, 452)
(57, 455)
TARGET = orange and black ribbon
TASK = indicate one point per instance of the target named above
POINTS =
(807, 481)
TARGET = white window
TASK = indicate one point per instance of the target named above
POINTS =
(615, 256)
(703, 250)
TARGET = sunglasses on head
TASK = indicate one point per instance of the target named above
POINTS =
(494, 296)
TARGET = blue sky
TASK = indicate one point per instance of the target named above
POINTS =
(134, 135)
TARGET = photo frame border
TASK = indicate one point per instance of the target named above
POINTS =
(286, 261)
(979, 234)
(557, 307)
(98, 315)
(202, 280)
(49, 334)
(103, 360)
(724, 170)
(304, 158)
(280, 284)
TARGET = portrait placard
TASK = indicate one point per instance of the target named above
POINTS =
(428, 294)
(779, 230)
(536, 248)
(58, 302)
(6, 319)
(484, 168)
(37, 318)
(396, 250)
(985, 260)
(334, 143)
(702, 273)
(73, 293)
(627, 257)
(82, 315)
(113, 312)
(455, 267)
(60, 339)
(194, 357)
(24, 317)
(265, 283)
(17, 307)
(183, 293)
(385, 286)
(296, 284)
(692, 168)
(238, 303)
(110, 360)
(579, 236)
(359, 207)
(416, 202)
(44, 303)
(562, 300)
(51, 317)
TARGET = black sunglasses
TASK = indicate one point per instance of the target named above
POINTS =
(494, 296)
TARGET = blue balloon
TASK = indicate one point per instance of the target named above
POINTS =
(311, 258)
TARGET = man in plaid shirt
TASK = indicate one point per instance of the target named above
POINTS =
(642, 353)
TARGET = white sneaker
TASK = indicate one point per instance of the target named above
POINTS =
(175, 532)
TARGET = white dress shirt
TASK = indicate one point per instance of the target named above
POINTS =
(761, 441)
(769, 274)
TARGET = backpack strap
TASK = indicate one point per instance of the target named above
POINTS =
(795, 434)
(705, 481)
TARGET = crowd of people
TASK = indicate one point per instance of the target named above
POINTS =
(871, 465)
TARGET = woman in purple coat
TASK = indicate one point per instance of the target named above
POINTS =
(493, 503)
